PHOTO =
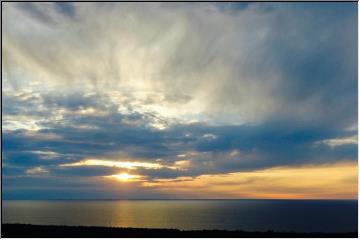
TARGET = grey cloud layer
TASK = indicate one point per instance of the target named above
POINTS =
(211, 149)
(232, 66)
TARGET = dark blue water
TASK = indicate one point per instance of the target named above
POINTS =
(249, 215)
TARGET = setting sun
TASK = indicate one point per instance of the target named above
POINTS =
(125, 177)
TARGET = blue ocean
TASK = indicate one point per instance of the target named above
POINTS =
(247, 215)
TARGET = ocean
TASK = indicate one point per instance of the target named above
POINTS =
(248, 215)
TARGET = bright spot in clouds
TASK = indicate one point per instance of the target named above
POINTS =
(124, 177)
(117, 164)
(127, 164)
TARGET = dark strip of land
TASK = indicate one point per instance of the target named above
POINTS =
(39, 231)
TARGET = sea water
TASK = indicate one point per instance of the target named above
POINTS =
(247, 215)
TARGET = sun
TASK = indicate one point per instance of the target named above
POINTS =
(125, 177)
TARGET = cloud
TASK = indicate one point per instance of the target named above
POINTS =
(340, 141)
(110, 142)
(129, 164)
(36, 171)
(109, 163)
(246, 72)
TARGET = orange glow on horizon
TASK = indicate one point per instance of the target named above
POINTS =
(327, 181)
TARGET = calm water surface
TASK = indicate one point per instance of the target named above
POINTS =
(250, 215)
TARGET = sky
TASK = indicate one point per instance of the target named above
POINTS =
(179, 100)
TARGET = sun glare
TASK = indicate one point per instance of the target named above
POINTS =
(125, 177)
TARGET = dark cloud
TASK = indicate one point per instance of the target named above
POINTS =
(36, 11)
(274, 143)
(65, 8)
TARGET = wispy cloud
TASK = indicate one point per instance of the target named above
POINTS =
(36, 171)
(340, 141)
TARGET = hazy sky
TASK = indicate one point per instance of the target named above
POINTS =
(179, 100)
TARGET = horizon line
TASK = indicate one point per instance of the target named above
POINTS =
(180, 199)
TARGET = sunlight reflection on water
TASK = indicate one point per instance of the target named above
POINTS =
(251, 215)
